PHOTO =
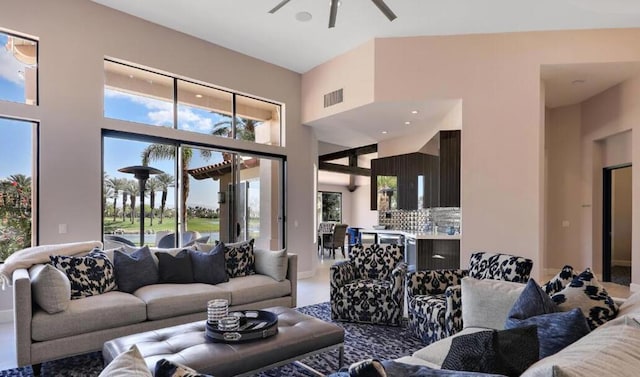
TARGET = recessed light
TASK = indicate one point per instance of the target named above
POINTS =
(130, 76)
(384, 132)
(578, 82)
(414, 111)
(303, 16)
(198, 95)
(407, 123)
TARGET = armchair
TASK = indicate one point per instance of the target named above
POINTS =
(435, 297)
(369, 286)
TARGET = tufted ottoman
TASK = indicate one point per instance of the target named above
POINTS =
(299, 336)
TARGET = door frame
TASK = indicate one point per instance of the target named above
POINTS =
(606, 218)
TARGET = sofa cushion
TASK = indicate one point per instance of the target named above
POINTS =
(175, 269)
(240, 259)
(559, 281)
(486, 303)
(630, 306)
(50, 287)
(272, 263)
(89, 275)
(134, 270)
(171, 300)
(606, 351)
(508, 352)
(93, 313)
(556, 330)
(209, 267)
(127, 364)
(436, 352)
(255, 288)
(586, 293)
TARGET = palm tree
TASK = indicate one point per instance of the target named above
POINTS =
(156, 152)
(132, 188)
(165, 181)
(245, 128)
(117, 185)
(153, 185)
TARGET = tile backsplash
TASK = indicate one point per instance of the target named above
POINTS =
(440, 219)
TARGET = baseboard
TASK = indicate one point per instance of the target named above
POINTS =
(6, 316)
(623, 263)
(305, 274)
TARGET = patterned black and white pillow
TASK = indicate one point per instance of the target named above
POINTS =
(239, 259)
(90, 275)
(560, 281)
(586, 293)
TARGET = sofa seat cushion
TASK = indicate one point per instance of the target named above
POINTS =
(435, 353)
(171, 300)
(93, 313)
(254, 288)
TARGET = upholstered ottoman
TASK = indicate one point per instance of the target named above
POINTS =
(299, 336)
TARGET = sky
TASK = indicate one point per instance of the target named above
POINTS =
(16, 143)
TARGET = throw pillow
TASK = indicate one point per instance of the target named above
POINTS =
(272, 263)
(506, 352)
(166, 368)
(89, 275)
(239, 259)
(50, 287)
(558, 282)
(556, 330)
(175, 269)
(209, 267)
(135, 270)
(487, 302)
(127, 364)
(586, 293)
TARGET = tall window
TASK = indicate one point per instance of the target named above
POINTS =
(17, 186)
(142, 96)
(18, 69)
(329, 206)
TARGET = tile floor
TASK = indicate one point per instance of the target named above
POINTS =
(310, 291)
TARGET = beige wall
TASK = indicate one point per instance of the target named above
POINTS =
(498, 79)
(75, 36)
(621, 219)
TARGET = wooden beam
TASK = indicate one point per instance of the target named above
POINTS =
(344, 169)
(349, 152)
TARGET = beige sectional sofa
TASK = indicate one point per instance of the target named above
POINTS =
(88, 322)
(612, 349)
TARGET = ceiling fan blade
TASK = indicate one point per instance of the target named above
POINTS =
(282, 3)
(385, 9)
(333, 14)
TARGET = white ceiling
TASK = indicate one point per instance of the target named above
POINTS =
(247, 27)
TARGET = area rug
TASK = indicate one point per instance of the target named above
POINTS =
(362, 341)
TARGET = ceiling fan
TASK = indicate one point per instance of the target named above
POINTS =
(334, 10)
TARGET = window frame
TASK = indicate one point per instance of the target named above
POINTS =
(37, 65)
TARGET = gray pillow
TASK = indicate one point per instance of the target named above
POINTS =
(556, 330)
(486, 303)
(50, 287)
(209, 268)
(272, 263)
(135, 270)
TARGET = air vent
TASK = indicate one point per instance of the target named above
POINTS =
(333, 98)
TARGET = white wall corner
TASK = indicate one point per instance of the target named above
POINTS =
(6, 316)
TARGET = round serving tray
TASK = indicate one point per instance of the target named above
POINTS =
(259, 324)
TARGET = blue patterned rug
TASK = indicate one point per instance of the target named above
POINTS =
(361, 342)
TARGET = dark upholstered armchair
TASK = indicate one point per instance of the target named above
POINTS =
(369, 286)
(435, 297)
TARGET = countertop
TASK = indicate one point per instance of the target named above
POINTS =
(414, 234)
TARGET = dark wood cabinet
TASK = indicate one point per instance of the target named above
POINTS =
(450, 168)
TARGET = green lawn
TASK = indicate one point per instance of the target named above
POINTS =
(196, 223)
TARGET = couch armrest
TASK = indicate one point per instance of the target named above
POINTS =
(433, 282)
(22, 313)
(453, 316)
(342, 273)
(292, 275)
(398, 276)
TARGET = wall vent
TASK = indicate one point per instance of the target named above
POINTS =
(333, 98)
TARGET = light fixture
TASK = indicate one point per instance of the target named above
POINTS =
(221, 197)
(578, 82)
(414, 111)
(198, 95)
(407, 123)
(384, 132)
(130, 76)
(303, 16)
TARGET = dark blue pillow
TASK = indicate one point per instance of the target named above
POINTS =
(556, 330)
(134, 270)
(396, 369)
(209, 268)
(175, 269)
(166, 368)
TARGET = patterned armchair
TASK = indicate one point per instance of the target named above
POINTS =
(369, 286)
(435, 297)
